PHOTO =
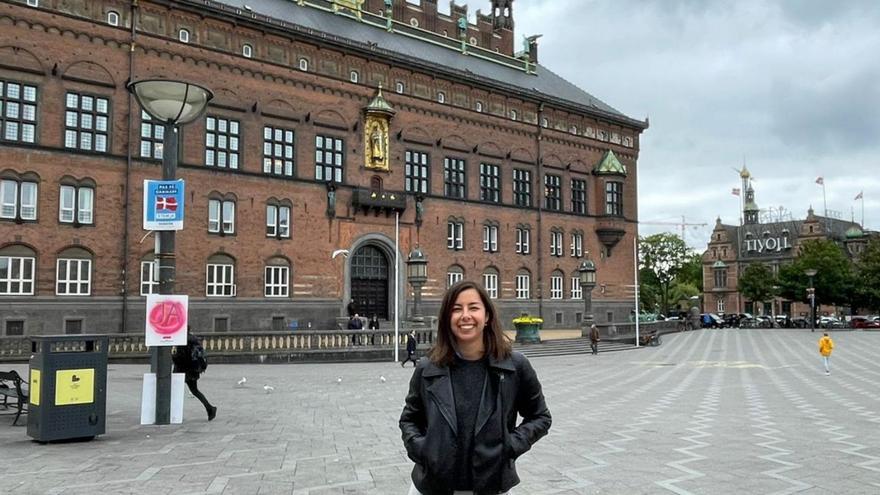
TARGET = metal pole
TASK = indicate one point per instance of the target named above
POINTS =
(396, 285)
(636, 278)
(167, 267)
(812, 306)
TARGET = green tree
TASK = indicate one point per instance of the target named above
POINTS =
(649, 292)
(757, 283)
(867, 277)
(691, 272)
(833, 281)
(663, 255)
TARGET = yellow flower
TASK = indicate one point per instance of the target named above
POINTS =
(528, 320)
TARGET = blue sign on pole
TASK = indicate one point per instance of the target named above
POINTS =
(163, 204)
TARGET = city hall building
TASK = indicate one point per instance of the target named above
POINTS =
(732, 248)
(342, 135)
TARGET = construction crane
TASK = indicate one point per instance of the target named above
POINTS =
(683, 225)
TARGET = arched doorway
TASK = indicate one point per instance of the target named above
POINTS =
(369, 281)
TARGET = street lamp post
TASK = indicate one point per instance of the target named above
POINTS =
(587, 271)
(175, 104)
(417, 275)
(811, 293)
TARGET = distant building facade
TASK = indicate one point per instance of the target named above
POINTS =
(498, 169)
(732, 248)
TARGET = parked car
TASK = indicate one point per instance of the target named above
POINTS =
(731, 320)
(800, 322)
(763, 321)
(829, 322)
(863, 322)
(711, 320)
(783, 321)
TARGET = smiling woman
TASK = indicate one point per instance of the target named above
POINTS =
(464, 398)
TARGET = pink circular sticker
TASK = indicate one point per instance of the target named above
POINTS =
(168, 317)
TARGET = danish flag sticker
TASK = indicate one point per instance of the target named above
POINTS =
(163, 204)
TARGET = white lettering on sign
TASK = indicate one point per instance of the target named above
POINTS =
(768, 245)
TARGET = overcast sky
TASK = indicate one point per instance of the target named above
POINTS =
(791, 87)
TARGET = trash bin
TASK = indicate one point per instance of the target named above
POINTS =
(68, 387)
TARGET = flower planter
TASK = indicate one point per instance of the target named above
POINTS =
(528, 330)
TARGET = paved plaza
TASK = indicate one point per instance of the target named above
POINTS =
(707, 412)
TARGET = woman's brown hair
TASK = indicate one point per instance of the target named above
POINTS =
(495, 342)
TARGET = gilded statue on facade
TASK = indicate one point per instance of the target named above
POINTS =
(377, 118)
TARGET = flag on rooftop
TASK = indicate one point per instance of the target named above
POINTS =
(820, 181)
(735, 191)
(859, 195)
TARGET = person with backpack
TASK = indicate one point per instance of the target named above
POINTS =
(191, 360)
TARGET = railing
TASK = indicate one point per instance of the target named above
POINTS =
(133, 347)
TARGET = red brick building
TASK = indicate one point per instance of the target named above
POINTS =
(498, 169)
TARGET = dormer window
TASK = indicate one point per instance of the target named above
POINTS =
(544, 122)
(513, 115)
(399, 87)
(354, 76)
(304, 64)
(183, 36)
(441, 97)
(479, 106)
(247, 50)
(113, 18)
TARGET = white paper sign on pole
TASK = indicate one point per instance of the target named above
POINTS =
(148, 398)
(166, 319)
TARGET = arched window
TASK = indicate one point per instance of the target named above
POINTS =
(183, 36)
(220, 276)
(73, 275)
(513, 115)
(478, 106)
(490, 282)
(523, 284)
(17, 264)
(247, 50)
(454, 274)
(399, 87)
(303, 64)
(441, 97)
(278, 218)
(113, 18)
(276, 281)
(556, 282)
(354, 76)
(576, 292)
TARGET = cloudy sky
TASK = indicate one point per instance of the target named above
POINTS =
(791, 87)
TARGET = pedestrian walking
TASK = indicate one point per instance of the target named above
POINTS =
(191, 360)
(594, 338)
(826, 345)
(459, 421)
(410, 349)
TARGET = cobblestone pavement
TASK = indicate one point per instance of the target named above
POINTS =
(708, 412)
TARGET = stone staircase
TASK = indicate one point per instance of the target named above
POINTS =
(567, 347)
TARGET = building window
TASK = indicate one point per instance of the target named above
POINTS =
(513, 115)
(523, 241)
(455, 235)
(490, 238)
(73, 277)
(399, 87)
(354, 76)
(441, 97)
(183, 36)
(221, 142)
(552, 192)
(247, 50)
(76, 205)
(219, 280)
(544, 122)
(720, 278)
(278, 323)
(614, 198)
(454, 275)
(18, 199)
(73, 327)
(152, 136)
(277, 281)
(454, 179)
(573, 130)
(416, 172)
(33, 3)
(277, 221)
(86, 122)
(556, 285)
(304, 64)
(16, 276)
(579, 196)
(328, 159)
(719, 305)
(277, 151)
(490, 184)
(221, 216)
(478, 106)
(577, 245)
(490, 283)
(576, 292)
(522, 187)
(555, 243)
(523, 284)
(18, 112)
(14, 328)
(221, 324)
(113, 18)
(149, 280)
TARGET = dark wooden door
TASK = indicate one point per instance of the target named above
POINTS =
(369, 282)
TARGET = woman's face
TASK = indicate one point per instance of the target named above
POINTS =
(468, 318)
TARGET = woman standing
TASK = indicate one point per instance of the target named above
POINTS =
(459, 421)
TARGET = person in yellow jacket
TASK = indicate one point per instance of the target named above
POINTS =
(826, 345)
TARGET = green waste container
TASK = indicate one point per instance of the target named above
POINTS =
(68, 387)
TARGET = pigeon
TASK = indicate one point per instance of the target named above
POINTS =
(382, 379)
(338, 380)
(268, 388)
(242, 381)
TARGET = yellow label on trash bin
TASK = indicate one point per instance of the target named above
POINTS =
(74, 387)
(35, 387)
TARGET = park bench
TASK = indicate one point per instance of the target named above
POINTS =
(12, 388)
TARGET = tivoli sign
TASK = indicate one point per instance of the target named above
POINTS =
(767, 245)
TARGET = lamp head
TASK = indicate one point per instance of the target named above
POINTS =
(171, 102)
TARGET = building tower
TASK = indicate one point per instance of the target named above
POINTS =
(502, 14)
(750, 210)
